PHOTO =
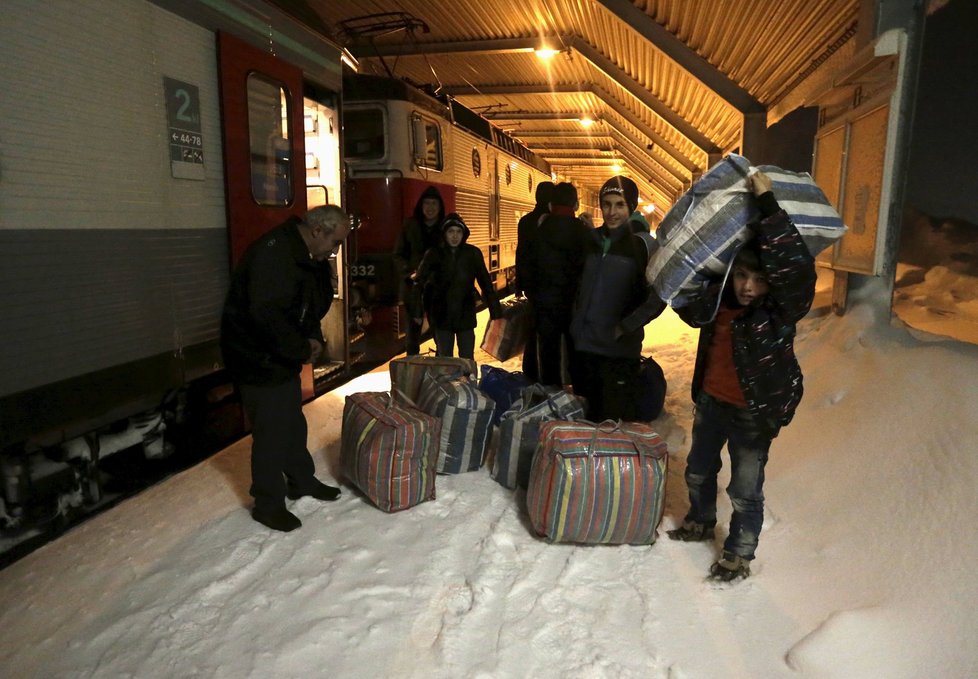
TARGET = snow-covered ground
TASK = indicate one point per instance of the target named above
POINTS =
(866, 567)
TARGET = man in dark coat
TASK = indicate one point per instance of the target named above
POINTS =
(280, 291)
(419, 233)
(446, 277)
(555, 260)
(525, 228)
(613, 306)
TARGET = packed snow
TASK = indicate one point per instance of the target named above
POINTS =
(862, 570)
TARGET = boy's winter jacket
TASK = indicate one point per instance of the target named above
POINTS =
(446, 278)
(614, 295)
(278, 296)
(763, 336)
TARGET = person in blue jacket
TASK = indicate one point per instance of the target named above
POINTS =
(614, 303)
(746, 381)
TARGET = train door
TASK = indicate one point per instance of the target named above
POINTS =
(264, 147)
(321, 127)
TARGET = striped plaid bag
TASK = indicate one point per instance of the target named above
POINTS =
(465, 413)
(389, 451)
(519, 430)
(597, 483)
(506, 336)
(407, 374)
(702, 232)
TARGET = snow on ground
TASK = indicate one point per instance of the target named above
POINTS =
(865, 567)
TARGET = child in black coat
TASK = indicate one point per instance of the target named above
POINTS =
(746, 381)
(446, 278)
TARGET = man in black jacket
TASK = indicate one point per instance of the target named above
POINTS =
(555, 260)
(280, 291)
(525, 228)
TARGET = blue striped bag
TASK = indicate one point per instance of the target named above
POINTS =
(702, 232)
(519, 430)
(466, 420)
(389, 451)
(597, 483)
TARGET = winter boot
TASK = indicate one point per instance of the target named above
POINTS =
(316, 489)
(691, 531)
(276, 518)
(729, 567)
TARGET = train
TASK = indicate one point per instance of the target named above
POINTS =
(146, 143)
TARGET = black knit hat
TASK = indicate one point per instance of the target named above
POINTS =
(625, 188)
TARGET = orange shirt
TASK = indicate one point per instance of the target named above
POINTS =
(720, 379)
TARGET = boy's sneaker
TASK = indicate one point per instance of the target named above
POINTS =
(729, 567)
(691, 531)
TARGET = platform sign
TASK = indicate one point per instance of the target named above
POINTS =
(185, 139)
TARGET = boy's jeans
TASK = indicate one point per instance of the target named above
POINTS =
(717, 423)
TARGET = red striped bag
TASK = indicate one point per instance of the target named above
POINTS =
(597, 484)
(389, 451)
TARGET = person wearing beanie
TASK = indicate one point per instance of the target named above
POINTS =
(613, 305)
(420, 232)
(525, 228)
(555, 260)
(445, 289)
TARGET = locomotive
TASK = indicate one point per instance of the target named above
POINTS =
(145, 146)
(399, 140)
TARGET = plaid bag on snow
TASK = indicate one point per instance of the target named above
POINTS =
(597, 483)
(389, 451)
(519, 431)
(407, 374)
(466, 420)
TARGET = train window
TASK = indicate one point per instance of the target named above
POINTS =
(427, 143)
(271, 149)
(363, 133)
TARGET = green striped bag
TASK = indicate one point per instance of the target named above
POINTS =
(597, 483)
(389, 451)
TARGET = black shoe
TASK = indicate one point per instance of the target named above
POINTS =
(318, 490)
(729, 567)
(691, 531)
(278, 518)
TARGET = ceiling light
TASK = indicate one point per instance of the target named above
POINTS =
(616, 168)
(586, 121)
(546, 52)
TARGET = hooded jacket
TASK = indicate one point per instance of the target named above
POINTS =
(446, 278)
(278, 296)
(416, 238)
(764, 334)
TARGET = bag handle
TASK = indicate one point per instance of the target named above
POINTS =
(616, 425)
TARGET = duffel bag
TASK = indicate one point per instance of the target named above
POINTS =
(408, 373)
(465, 413)
(651, 389)
(502, 386)
(519, 431)
(597, 483)
(506, 336)
(389, 451)
(702, 232)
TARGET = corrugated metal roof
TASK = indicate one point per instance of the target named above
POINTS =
(668, 80)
